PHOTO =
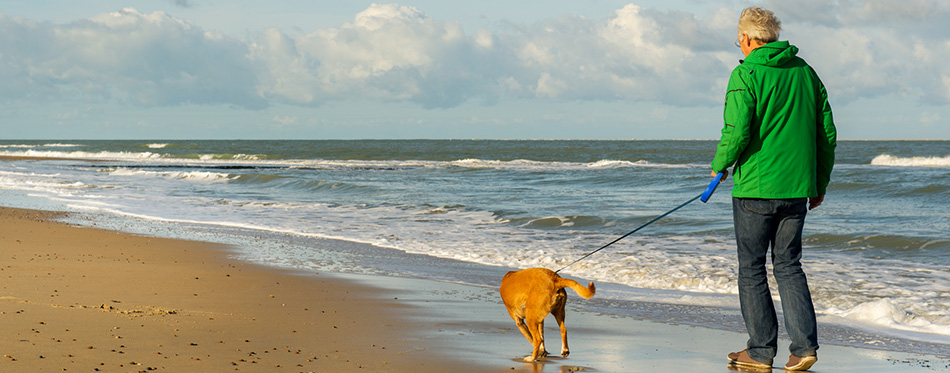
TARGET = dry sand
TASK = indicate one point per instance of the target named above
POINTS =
(83, 299)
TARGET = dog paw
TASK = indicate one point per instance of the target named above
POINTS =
(565, 352)
(544, 354)
(529, 359)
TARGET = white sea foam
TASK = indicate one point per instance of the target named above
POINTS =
(223, 157)
(210, 158)
(886, 313)
(134, 156)
(524, 164)
(889, 160)
(46, 192)
(84, 155)
(183, 175)
(495, 164)
(606, 163)
(38, 183)
(30, 146)
(27, 174)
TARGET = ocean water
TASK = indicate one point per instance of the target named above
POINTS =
(877, 252)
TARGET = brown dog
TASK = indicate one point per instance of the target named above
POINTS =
(530, 295)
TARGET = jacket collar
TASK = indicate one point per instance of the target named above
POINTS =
(776, 53)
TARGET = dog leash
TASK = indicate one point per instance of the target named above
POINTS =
(704, 196)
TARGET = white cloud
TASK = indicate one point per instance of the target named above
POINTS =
(484, 39)
(869, 49)
(868, 62)
(285, 120)
(883, 13)
(145, 59)
(660, 113)
(550, 87)
(182, 3)
(388, 52)
(394, 53)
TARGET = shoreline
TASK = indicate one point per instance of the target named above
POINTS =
(83, 298)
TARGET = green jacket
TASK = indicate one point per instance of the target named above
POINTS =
(778, 129)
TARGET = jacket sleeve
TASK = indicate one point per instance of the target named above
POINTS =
(826, 140)
(738, 115)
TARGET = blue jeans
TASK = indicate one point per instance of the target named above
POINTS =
(776, 222)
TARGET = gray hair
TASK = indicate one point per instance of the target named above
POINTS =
(760, 24)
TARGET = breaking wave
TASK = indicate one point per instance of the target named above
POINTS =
(889, 160)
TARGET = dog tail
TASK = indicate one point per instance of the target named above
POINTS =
(585, 293)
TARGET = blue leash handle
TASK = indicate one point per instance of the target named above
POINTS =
(704, 197)
(711, 187)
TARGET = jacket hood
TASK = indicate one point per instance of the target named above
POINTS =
(776, 53)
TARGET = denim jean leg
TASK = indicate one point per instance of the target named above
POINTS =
(797, 306)
(753, 220)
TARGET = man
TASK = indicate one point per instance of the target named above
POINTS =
(780, 136)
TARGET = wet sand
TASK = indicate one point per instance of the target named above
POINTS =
(84, 299)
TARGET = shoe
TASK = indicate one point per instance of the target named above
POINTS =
(800, 363)
(742, 358)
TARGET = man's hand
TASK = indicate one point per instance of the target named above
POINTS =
(815, 201)
(724, 174)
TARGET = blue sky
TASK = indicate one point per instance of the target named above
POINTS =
(556, 69)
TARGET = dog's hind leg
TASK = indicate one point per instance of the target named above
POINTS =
(544, 351)
(559, 313)
(524, 330)
(523, 327)
(537, 341)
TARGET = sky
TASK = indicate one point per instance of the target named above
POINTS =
(438, 69)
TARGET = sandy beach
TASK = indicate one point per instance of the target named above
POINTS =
(79, 299)
(84, 299)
